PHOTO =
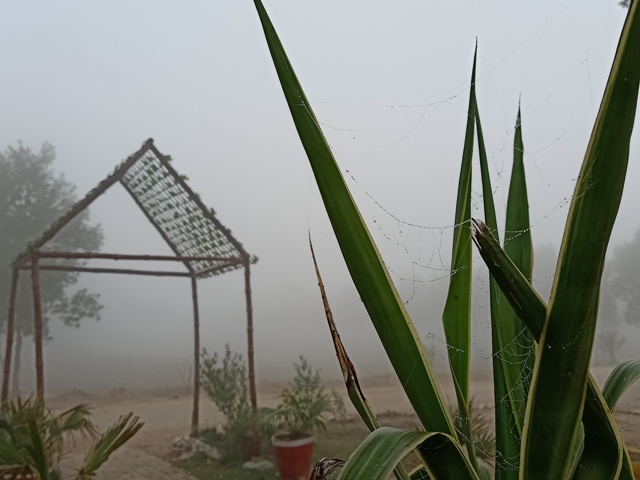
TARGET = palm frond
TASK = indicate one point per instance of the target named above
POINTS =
(116, 436)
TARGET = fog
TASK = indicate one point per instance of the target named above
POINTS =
(389, 83)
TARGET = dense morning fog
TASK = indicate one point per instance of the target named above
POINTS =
(389, 83)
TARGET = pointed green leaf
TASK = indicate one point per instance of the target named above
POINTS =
(620, 379)
(517, 239)
(456, 318)
(370, 276)
(559, 382)
(348, 370)
(603, 448)
(519, 247)
(384, 448)
(116, 435)
(508, 392)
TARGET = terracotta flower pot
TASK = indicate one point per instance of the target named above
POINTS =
(293, 456)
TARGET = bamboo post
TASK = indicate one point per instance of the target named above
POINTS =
(37, 310)
(68, 268)
(8, 353)
(196, 357)
(252, 376)
(126, 256)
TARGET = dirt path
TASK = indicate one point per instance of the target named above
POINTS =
(132, 464)
(167, 415)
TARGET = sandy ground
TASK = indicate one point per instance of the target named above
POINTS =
(167, 412)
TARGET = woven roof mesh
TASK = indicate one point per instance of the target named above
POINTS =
(188, 227)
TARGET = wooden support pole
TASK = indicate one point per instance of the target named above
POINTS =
(8, 352)
(124, 256)
(217, 268)
(196, 358)
(150, 273)
(252, 375)
(37, 311)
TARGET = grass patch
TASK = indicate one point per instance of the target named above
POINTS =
(202, 467)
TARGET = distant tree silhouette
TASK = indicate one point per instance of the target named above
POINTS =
(32, 196)
(608, 338)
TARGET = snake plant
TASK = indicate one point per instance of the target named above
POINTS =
(552, 421)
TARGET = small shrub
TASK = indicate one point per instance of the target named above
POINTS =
(225, 383)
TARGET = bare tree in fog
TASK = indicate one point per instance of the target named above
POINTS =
(625, 278)
(32, 196)
(608, 339)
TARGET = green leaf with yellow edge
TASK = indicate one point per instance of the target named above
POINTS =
(384, 448)
(559, 383)
(370, 276)
(504, 331)
(603, 448)
(621, 378)
(349, 374)
(456, 317)
(519, 247)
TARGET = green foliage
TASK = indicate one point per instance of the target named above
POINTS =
(225, 383)
(567, 430)
(116, 435)
(32, 196)
(620, 379)
(304, 403)
(32, 439)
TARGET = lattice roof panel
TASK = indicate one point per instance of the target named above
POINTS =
(185, 223)
(189, 227)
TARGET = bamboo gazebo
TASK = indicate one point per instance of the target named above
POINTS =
(192, 231)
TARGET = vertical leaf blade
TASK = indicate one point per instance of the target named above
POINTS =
(384, 448)
(349, 374)
(456, 317)
(506, 371)
(370, 276)
(558, 389)
(519, 247)
(603, 447)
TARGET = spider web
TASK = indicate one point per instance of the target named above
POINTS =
(417, 254)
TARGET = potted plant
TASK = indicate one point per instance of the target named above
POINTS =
(302, 412)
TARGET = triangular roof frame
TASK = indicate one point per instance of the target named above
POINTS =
(187, 226)
(192, 231)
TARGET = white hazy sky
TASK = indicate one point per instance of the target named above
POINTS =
(388, 80)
